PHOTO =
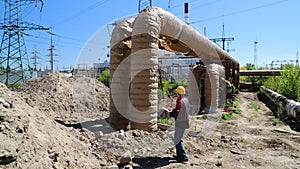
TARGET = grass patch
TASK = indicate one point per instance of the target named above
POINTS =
(226, 116)
(237, 111)
(244, 141)
(202, 117)
(210, 118)
(254, 106)
(255, 114)
(277, 122)
(166, 121)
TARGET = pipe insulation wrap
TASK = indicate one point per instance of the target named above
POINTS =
(134, 64)
(171, 26)
(291, 107)
(214, 88)
(119, 75)
(144, 64)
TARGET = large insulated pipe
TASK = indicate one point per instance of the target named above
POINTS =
(202, 47)
(119, 74)
(149, 26)
(144, 71)
(291, 108)
(196, 76)
(214, 86)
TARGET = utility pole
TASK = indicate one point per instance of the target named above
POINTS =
(52, 49)
(223, 40)
(14, 62)
(205, 33)
(143, 4)
(255, 53)
(35, 58)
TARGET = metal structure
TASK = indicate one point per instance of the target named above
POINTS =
(223, 40)
(14, 62)
(35, 58)
(52, 49)
(278, 64)
(144, 3)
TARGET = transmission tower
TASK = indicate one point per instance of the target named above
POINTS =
(14, 62)
(35, 58)
(223, 40)
(52, 49)
(144, 3)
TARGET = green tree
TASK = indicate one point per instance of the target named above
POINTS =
(288, 84)
(250, 66)
(182, 82)
(104, 77)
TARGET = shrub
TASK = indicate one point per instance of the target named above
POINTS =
(167, 86)
(288, 84)
(104, 77)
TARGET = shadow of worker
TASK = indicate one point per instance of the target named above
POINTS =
(93, 125)
(152, 162)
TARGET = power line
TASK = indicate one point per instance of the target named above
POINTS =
(241, 11)
(77, 45)
(79, 13)
(205, 4)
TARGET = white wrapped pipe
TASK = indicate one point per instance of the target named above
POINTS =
(151, 28)
(119, 75)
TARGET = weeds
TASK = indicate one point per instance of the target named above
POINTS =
(237, 111)
(254, 106)
(279, 110)
(244, 141)
(277, 121)
(202, 117)
(227, 116)
(210, 118)
(166, 121)
(15, 86)
(255, 114)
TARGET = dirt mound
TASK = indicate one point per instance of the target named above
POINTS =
(30, 139)
(70, 100)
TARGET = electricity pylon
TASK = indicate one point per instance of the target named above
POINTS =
(144, 3)
(14, 62)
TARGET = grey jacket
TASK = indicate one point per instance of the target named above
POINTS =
(182, 119)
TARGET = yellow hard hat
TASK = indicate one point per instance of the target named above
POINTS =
(180, 90)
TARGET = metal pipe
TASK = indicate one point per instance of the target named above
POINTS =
(291, 107)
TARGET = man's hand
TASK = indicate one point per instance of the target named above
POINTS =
(170, 109)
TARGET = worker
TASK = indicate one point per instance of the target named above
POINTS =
(180, 113)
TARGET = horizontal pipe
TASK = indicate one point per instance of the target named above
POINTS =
(291, 107)
(260, 72)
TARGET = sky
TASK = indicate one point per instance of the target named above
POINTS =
(81, 29)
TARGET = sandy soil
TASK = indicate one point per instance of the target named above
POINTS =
(60, 122)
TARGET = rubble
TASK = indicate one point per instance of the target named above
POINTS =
(39, 128)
